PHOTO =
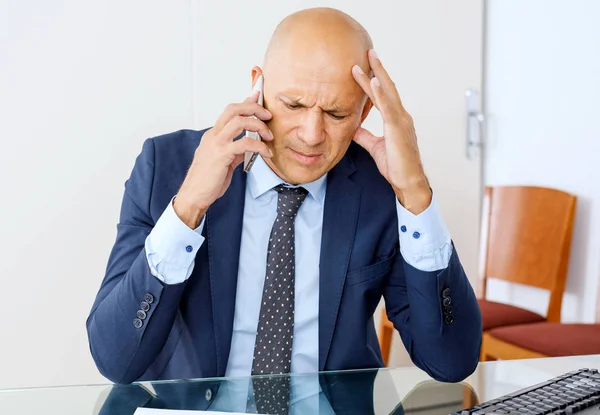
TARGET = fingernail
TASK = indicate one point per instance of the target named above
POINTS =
(374, 54)
(359, 69)
(375, 82)
(271, 134)
(270, 152)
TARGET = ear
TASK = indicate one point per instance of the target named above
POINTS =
(366, 110)
(256, 72)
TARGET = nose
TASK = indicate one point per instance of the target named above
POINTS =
(311, 130)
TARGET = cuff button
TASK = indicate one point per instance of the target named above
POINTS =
(137, 323)
(403, 228)
(189, 248)
(416, 235)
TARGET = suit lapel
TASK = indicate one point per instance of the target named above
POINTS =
(339, 226)
(224, 231)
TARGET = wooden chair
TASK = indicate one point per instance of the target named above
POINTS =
(386, 332)
(546, 339)
(526, 235)
(528, 341)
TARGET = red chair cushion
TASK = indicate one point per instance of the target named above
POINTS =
(499, 315)
(553, 339)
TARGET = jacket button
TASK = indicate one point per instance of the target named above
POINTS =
(144, 306)
(137, 323)
(141, 314)
(149, 298)
(447, 301)
(448, 319)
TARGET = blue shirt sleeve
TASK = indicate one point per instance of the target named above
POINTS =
(171, 247)
(424, 238)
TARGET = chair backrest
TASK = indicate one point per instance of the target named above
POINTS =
(527, 239)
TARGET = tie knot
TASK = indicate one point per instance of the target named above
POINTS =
(289, 199)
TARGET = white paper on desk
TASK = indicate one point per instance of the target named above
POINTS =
(148, 411)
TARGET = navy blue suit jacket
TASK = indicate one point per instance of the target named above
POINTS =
(188, 328)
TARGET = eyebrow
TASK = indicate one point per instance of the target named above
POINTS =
(298, 101)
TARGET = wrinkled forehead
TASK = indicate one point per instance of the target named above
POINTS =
(323, 73)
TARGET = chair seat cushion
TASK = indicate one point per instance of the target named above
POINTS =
(553, 339)
(499, 315)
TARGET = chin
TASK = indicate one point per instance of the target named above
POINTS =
(295, 174)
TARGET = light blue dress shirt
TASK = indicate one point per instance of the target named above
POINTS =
(424, 243)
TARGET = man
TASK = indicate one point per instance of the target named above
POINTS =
(216, 272)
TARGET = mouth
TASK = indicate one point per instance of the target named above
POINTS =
(306, 158)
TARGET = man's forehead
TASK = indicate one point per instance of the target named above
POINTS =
(328, 103)
(329, 84)
(329, 100)
(320, 58)
(299, 78)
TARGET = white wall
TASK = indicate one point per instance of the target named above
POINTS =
(82, 84)
(542, 90)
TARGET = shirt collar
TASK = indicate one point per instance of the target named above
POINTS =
(261, 179)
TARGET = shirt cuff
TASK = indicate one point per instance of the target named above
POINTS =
(171, 247)
(424, 238)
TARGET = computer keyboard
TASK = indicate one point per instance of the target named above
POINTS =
(574, 392)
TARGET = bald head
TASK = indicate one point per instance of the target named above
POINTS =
(316, 104)
(313, 32)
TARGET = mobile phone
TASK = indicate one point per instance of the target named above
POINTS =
(250, 158)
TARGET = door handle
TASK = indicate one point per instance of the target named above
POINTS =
(475, 124)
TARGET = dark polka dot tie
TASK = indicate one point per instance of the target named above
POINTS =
(273, 347)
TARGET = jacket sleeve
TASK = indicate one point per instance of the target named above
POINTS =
(438, 318)
(133, 312)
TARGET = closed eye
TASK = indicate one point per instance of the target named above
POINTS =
(337, 117)
(292, 106)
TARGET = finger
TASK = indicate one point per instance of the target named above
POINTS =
(390, 92)
(247, 108)
(255, 108)
(363, 80)
(241, 146)
(238, 159)
(366, 139)
(380, 72)
(386, 107)
(238, 124)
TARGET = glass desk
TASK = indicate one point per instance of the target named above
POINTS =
(384, 391)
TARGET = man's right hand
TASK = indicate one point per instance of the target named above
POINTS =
(218, 155)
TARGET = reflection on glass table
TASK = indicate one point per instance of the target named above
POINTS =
(384, 391)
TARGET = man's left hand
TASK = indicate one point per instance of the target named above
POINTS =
(396, 153)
